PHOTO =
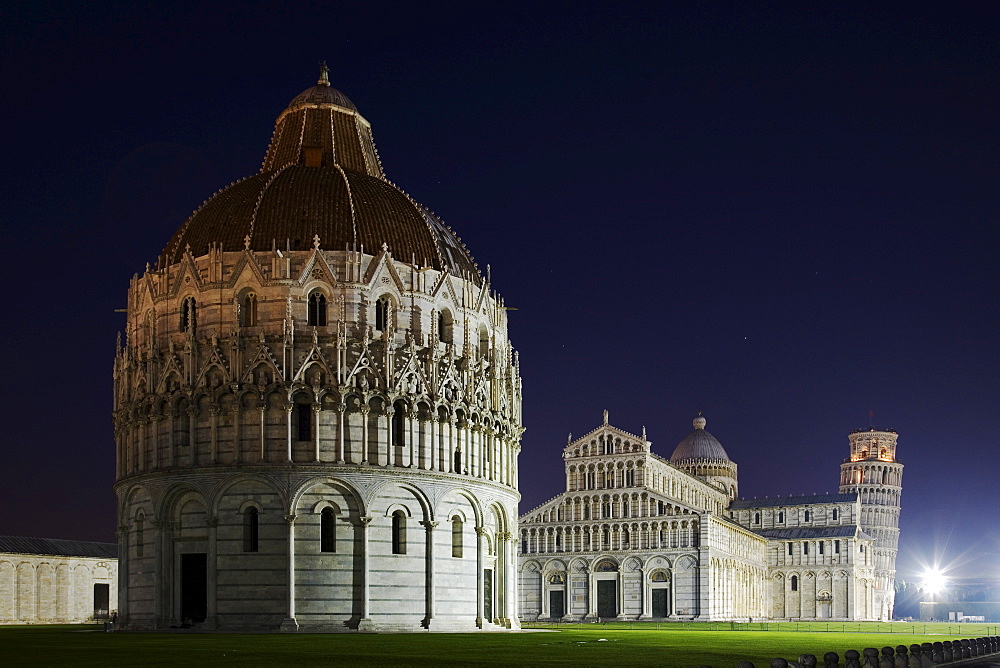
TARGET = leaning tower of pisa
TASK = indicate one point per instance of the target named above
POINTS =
(874, 473)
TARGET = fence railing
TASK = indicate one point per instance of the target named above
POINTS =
(924, 655)
(905, 628)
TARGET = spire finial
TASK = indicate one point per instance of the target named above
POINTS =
(324, 74)
(605, 416)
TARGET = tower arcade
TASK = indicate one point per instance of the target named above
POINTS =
(876, 476)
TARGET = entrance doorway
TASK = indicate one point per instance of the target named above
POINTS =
(661, 603)
(557, 604)
(607, 598)
(194, 587)
(102, 601)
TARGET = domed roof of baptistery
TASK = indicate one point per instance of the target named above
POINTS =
(699, 444)
(321, 177)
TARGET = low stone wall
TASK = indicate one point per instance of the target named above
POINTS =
(43, 589)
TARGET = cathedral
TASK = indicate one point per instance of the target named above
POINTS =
(317, 409)
(639, 537)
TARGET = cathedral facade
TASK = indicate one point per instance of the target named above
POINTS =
(639, 537)
(317, 408)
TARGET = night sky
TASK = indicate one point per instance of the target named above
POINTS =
(784, 218)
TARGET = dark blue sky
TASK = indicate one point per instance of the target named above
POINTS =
(779, 216)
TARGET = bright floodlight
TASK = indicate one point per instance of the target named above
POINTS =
(933, 581)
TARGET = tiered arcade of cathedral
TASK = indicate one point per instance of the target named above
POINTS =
(639, 537)
(317, 408)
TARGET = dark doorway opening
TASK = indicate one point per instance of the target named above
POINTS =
(488, 595)
(102, 601)
(661, 606)
(607, 598)
(557, 604)
(194, 587)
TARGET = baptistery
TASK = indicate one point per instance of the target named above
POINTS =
(317, 409)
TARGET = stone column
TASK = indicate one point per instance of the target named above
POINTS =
(123, 558)
(170, 438)
(411, 434)
(263, 432)
(504, 543)
(513, 608)
(434, 444)
(591, 594)
(480, 562)
(159, 576)
(237, 432)
(365, 623)
(288, 431)
(645, 595)
(341, 417)
(429, 572)
(192, 431)
(214, 431)
(390, 443)
(316, 422)
(289, 624)
(211, 575)
(364, 433)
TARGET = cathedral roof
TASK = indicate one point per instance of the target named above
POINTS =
(321, 177)
(802, 500)
(699, 444)
(57, 547)
(810, 533)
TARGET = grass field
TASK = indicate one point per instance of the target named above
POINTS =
(672, 645)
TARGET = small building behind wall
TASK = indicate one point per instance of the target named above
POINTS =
(52, 581)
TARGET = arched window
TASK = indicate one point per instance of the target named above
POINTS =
(251, 530)
(248, 309)
(484, 342)
(327, 531)
(456, 536)
(445, 326)
(808, 515)
(303, 422)
(139, 538)
(188, 315)
(396, 425)
(795, 582)
(836, 514)
(756, 518)
(606, 509)
(399, 532)
(805, 548)
(781, 517)
(317, 309)
(458, 461)
(150, 328)
(789, 549)
(382, 311)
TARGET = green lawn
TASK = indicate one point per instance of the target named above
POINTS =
(672, 645)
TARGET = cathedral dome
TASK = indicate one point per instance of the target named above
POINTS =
(322, 178)
(699, 444)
